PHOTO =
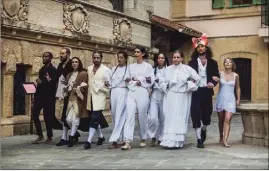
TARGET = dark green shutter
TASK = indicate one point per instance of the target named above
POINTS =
(258, 2)
(218, 4)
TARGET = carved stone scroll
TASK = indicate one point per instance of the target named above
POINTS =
(76, 18)
(15, 9)
(122, 31)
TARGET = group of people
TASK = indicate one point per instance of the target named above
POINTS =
(163, 96)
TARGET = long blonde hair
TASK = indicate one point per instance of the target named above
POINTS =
(234, 65)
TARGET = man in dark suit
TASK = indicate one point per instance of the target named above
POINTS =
(201, 105)
(44, 98)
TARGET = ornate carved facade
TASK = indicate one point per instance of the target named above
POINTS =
(122, 31)
(25, 36)
(15, 9)
(76, 18)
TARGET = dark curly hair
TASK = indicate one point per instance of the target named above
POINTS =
(208, 53)
(155, 60)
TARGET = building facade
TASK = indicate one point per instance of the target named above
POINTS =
(237, 29)
(31, 27)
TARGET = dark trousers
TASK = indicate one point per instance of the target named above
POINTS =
(201, 107)
(48, 106)
(63, 119)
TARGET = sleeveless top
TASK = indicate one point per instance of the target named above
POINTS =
(226, 97)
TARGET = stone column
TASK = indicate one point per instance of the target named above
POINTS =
(8, 82)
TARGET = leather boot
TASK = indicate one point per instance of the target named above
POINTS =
(72, 141)
(226, 131)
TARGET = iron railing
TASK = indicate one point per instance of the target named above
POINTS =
(264, 13)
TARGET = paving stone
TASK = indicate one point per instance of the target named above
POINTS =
(18, 153)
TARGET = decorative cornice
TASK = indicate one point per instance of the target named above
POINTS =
(107, 12)
(45, 35)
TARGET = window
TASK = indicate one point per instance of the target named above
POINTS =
(244, 3)
(216, 4)
(117, 5)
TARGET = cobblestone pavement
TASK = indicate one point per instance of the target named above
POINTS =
(18, 153)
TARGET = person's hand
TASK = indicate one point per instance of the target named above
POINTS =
(237, 102)
(215, 78)
(74, 89)
(210, 85)
(148, 80)
(134, 79)
(106, 83)
(191, 79)
(38, 81)
(128, 80)
(47, 76)
(138, 83)
(64, 82)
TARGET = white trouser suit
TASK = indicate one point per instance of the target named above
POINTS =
(155, 115)
(118, 99)
(118, 111)
(138, 100)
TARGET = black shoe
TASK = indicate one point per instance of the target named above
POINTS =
(77, 135)
(200, 144)
(100, 141)
(87, 145)
(62, 142)
(71, 141)
(203, 135)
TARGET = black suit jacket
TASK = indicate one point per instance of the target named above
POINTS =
(66, 70)
(211, 70)
(47, 89)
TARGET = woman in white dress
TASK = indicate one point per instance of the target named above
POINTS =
(226, 101)
(118, 97)
(155, 114)
(180, 81)
(139, 80)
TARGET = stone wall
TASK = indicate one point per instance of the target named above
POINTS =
(36, 26)
(251, 47)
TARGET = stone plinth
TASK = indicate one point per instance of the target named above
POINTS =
(255, 122)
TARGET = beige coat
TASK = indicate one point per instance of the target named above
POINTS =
(96, 88)
(81, 77)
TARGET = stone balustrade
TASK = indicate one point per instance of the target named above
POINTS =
(255, 122)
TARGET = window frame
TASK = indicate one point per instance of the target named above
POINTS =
(254, 3)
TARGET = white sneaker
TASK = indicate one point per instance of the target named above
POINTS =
(127, 146)
(143, 144)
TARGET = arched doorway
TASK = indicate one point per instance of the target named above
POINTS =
(243, 68)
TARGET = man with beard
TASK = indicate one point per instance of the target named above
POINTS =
(44, 98)
(63, 69)
(96, 99)
(201, 105)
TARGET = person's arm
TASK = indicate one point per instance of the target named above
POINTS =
(215, 70)
(238, 90)
(150, 76)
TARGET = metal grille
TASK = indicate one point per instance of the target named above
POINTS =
(117, 5)
(264, 13)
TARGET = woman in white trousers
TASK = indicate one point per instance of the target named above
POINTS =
(155, 114)
(139, 80)
(118, 97)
